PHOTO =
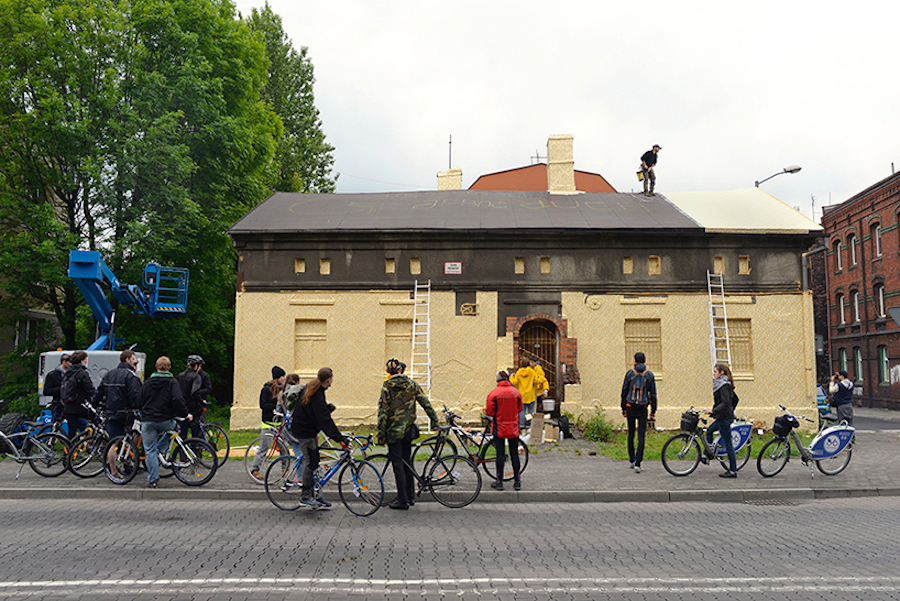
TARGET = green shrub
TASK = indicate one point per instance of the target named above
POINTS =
(27, 404)
(595, 426)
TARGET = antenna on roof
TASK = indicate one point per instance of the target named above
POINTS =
(450, 154)
(537, 157)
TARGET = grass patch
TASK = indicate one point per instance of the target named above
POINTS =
(617, 447)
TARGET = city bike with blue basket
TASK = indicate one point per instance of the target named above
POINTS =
(360, 486)
(682, 453)
(830, 450)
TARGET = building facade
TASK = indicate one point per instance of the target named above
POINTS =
(581, 281)
(863, 284)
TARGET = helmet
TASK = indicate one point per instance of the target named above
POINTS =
(194, 360)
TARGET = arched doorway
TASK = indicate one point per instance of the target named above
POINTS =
(538, 340)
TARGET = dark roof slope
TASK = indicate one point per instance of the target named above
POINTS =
(285, 212)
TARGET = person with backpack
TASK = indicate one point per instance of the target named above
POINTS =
(269, 398)
(724, 401)
(76, 388)
(504, 403)
(638, 394)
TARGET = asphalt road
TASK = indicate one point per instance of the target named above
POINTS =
(239, 550)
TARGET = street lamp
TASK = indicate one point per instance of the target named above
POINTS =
(788, 169)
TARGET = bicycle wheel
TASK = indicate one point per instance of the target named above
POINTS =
(49, 453)
(742, 456)
(382, 463)
(282, 483)
(831, 466)
(360, 487)
(121, 460)
(773, 457)
(488, 460)
(218, 438)
(426, 452)
(279, 449)
(454, 481)
(85, 458)
(681, 454)
(194, 463)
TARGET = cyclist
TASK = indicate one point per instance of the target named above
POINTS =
(504, 404)
(268, 403)
(311, 416)
(191, 385)
(52, 385)
(397, 427)
(160, 402)
(723, 412)
(118, 392)
(76, 388)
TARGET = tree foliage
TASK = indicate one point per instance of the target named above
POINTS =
(143, 129)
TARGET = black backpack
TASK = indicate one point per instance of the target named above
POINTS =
(565, 427)
(637, 396)
(68, 391)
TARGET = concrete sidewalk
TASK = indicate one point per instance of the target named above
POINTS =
(557, 472)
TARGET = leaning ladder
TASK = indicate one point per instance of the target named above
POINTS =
(719, 346)
(421, 336)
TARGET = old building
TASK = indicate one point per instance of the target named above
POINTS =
(582, 280)
(863, 285)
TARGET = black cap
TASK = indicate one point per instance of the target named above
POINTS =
(277, 372)
(844, 373)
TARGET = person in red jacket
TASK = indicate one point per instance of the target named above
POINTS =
(504, 404)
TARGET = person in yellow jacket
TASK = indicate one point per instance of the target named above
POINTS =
(527, 381)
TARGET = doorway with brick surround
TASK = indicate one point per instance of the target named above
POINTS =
(538, 340)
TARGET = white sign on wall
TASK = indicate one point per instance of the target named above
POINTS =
(454, 268)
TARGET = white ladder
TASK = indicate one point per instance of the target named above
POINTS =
(719, 346)
(420, 365)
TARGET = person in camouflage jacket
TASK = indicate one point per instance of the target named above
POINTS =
(396, 418)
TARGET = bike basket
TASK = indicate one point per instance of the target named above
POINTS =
(784, 424)
(689, 421)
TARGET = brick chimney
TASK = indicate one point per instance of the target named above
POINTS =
(560, 165)
(450, 180)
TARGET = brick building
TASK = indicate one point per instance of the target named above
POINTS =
(863, 284)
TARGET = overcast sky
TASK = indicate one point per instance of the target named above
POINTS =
(733, 92)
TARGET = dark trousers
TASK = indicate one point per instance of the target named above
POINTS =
(637, 424)
(649, 179)
(724, 428)
(400, 454)
(501, 456)
(308, 466)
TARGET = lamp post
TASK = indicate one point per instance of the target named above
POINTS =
(788, 169)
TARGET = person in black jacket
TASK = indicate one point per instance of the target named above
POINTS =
(160, 402)
(638, 393)
(268, 402)
(191, 385)
(76, 389)
(52, 385)
(312, 415)
(723, 412)
(118, 393)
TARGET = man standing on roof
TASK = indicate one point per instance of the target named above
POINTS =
(648, 162)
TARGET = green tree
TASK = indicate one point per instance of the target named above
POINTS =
(304, 159)
(138, 129)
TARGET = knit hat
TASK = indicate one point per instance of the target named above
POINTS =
(277, 372)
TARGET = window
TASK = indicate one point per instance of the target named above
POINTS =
(26, 330)
(645, 336)
(876, 239)
(879, 299)
(744, 265)
(851, 243)
(299, 265)
(884, 366)
(842, 358)
(390, 266)
(857, 364)
(310, 339)
(520, 265)
(627, 265)
(397, 339)
(840, 308)
(855, 296)
(837, 256)
(741, 344)
(325, 266)
(415, 266)
(654, 266)
(545, 264)
(719, 265)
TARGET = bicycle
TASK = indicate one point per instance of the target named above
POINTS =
(278, 444)
(214, 434)
(831, 449)
(85, 457)
(683, 452)
(478, 446)
(192, 461)
(449, 478)
(45, 452)
(360, 486)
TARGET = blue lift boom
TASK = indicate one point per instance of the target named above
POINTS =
(165, 293)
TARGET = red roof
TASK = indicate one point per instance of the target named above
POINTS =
(534, 179)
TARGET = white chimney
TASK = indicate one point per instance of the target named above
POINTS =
(561, 164)
(450, 180)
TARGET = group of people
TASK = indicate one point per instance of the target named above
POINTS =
(639, 402)
(160, 399)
